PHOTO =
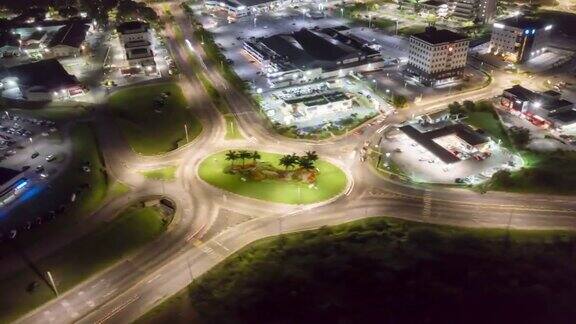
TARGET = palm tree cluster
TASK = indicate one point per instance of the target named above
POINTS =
(305, 161)
(243, 155)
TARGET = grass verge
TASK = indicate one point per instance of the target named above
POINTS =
(76, 262)
(154, 130)
(162, 174)
(330, 182)
(402, 271)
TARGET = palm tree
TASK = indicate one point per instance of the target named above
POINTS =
(312, 156)
(287, 161)
(256, 156)
(305, 163)
(243, 155)
(231, 156)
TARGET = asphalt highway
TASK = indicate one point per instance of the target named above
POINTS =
(136, 284)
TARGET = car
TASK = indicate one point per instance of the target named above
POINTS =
(86, 169)
(50, 158)
(39, 169)
(34, 155)
(25, 167)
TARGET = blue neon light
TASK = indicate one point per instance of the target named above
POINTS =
(533, 31)
(21, 185)
(527, 31)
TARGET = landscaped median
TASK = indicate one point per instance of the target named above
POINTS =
(274, 177)
(161, 174)
(130, 230)
(154, 118)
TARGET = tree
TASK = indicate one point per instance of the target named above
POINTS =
(305, 163)
(256, 156)
(469, 105)
(312, 156)
(288, 160)
(503, 178)
(520, 136)
(455, 108)
(243, 155)
(231, 156)
(399, 101)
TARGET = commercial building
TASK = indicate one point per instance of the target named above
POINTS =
(41, 81)
(69, 40)
(241, 8)
(9, 45)
(449, 141)
(307, 55)
(315, 105)
(131, 31)
(437, 56)
(12, 184)
(519, 39)
(136, 38)
(475, 10)
(545, 109)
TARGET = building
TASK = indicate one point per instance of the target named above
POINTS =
(41, 81)
(12, 184)
(314, 105)
(242, 8)
(437, 56)
(9, 45)
(136, 38)
(544, 109)
(475, 10)
(131, 31)
(450, 142)
(437, 7)
(68, 40)
(518, 39)
(307, 55)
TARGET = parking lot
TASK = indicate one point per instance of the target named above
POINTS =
(33, 146)
(423, 166)
(230, 36)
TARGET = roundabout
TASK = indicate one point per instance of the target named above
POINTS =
(330, 180)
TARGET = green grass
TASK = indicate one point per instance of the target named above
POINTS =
(404, 272)
(331, 182)
(117, 189)
(76, 262)
(491, 124)
(150, 132)
(411, 30)
(163, 174)
(232, 131)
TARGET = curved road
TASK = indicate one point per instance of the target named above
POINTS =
(211, 224)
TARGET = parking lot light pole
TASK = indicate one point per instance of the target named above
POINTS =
(52, 283)
(186, 131)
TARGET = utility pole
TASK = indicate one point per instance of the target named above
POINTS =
(52, 282)
(186, 131)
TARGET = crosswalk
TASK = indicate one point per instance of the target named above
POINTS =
(427, 204)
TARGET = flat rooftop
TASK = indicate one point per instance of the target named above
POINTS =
(72, 35)
(523, 22)
(6, 175)
(310, 48)
(435, 36)
(549, 100)
(426, 139)
(319, 99)
(47, 74)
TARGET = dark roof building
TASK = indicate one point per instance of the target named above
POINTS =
(308, 48)
(131, 27)
(438, 36)
(6, 175)
(523, 23)
(426, 139)
(47, 75)
(72, 35)
(8, 39)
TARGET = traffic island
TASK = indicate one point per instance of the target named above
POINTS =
(288, 179)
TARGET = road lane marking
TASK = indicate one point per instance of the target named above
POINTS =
(118, 309)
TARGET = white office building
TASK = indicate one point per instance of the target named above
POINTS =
(519, 39)
(437, 56)
(475, 10)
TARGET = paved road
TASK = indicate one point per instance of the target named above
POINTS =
(125, 291)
